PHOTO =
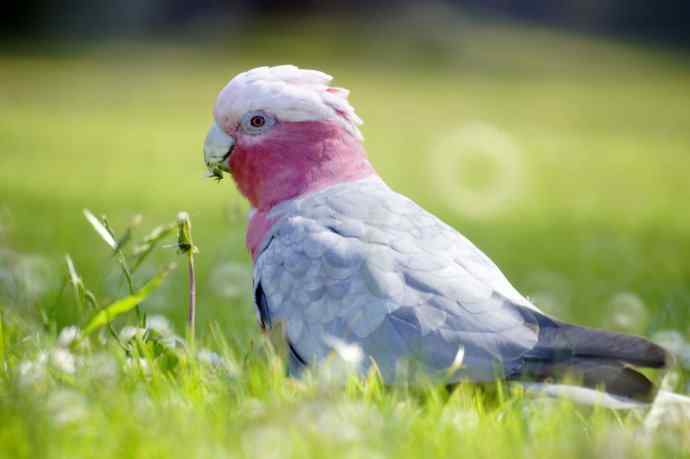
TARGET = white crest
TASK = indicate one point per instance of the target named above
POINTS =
(289, 93)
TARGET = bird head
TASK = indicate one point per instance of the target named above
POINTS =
(282, 132)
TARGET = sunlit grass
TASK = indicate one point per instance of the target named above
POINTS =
(597, 138)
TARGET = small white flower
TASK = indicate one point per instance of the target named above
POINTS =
(32, 371)
(129, 332)
(183, 217)
(210, 358)
(63, 360)
(159, 324)
(68, 335)
(173, 342)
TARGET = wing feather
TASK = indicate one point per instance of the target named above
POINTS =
(366, 265)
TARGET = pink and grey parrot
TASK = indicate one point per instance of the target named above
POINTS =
(339, 255)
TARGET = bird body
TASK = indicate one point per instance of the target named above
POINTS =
(341, 257)
(362, 263)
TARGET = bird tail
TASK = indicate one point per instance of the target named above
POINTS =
(594, 358)
(583, 395)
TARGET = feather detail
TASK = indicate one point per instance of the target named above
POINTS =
(289, 93)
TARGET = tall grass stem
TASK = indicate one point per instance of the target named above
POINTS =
(186, 246)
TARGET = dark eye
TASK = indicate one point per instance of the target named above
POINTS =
(257, 121)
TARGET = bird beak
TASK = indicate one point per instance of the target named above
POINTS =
(217, 148)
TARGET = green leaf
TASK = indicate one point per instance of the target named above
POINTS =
(73, 275)
(101, 229)
(78, 287)
(127, 303)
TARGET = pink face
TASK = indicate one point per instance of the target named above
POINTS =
(271, 160)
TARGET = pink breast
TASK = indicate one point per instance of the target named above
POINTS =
(259, 225)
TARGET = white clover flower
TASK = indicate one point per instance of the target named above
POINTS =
(32, 371)
(173, 342)
(210, 358)
(63, 360)
(159, 324)
(129, 332)
(68, 335)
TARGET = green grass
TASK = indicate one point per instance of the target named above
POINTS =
(565, 159)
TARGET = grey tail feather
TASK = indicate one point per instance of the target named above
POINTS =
(611, 376)
(597, 358)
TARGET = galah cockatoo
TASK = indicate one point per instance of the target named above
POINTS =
(339, 257)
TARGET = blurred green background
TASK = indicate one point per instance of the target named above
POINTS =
(564, 155)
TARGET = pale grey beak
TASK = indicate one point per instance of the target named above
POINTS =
(217, 149)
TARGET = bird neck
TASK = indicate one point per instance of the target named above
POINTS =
(298, 159)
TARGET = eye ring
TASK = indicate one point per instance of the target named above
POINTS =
(257, 121)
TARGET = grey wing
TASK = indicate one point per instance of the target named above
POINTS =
(363, 264)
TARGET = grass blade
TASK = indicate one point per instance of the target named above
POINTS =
(151, 241)
(77, 283)
(100, 229)
(73, 276)
(107, 314)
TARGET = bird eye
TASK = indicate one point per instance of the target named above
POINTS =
(257, 121)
